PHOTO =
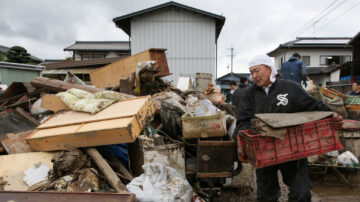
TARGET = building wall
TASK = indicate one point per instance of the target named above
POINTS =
(188, 37)
(313, 53)
(7, 76)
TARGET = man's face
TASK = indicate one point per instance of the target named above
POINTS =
(355, 86)
(261, 75)
(232, 87)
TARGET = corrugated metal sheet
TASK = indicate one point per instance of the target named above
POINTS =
(188, 37)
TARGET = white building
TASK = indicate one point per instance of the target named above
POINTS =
(322, 56)
(89, 50)
(189, 35)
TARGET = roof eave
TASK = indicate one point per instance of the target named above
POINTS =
(123, 22)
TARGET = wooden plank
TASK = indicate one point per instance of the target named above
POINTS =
(16, 143)
(12, 167)
(222, 174)
(110, 75)
(26, 116)
(121, 167)
(53, 103)
(104, 167)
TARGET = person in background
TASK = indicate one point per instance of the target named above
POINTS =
(229, 95)
(355, 89)
(273, 95)
(294, 69)
(243, 84)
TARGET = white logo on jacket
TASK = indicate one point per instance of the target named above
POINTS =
(282, 99)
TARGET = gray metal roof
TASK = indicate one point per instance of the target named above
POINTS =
(123, 22)
(314, 42)
(4, 49)
(12, 65)
(315, 70)
(99, 45)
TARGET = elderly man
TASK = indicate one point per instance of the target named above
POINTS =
(273, 95)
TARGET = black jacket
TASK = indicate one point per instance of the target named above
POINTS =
(238, 93)
(284, 97)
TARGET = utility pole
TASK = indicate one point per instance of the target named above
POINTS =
(232, 58)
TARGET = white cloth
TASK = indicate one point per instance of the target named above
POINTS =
(264, 59)
(232, 91)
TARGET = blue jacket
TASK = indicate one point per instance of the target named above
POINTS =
(293, 70)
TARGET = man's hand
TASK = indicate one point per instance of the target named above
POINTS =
(337, 121)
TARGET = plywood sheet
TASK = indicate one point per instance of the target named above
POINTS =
(12, 167)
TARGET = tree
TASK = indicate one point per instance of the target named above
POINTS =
(18, 54)
(2, 57)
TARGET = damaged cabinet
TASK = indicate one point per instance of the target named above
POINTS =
(215, 158)
(118, 123)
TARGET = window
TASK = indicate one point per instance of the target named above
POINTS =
(306, 60)
(334, 59)
(91, 56)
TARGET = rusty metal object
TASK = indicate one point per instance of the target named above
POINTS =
(63, 196)
(215, 158)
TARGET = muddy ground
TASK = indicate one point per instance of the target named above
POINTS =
(330, 190)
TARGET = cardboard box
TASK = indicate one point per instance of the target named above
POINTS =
(110, 75)
(204, 126)
(119, 123)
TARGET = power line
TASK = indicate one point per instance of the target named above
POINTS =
(339, 16)
(318, 20)
(332, 3)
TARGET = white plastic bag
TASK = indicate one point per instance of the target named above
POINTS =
(160, 183)
(348, 159)
(36, 109)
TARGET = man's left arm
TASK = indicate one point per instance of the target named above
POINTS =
(307, 102)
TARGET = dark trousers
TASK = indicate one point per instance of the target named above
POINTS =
(295, 176)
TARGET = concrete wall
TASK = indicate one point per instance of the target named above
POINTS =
(188, 37)
(313, 53)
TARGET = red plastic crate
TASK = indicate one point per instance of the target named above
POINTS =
(301, 141)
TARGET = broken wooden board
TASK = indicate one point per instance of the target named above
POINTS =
(119, 123)
(12, 168)
(53, 103)
(65, 196)
(110, 75)
(16, 143)
(12, 122)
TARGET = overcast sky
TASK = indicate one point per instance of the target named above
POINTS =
(46, 27)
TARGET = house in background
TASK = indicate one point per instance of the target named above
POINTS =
(87, 56)
(224, 81)
(322, 55)
(3, 53)
(89, 50)
(82, 68)
(16, 72)
(189, 35)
